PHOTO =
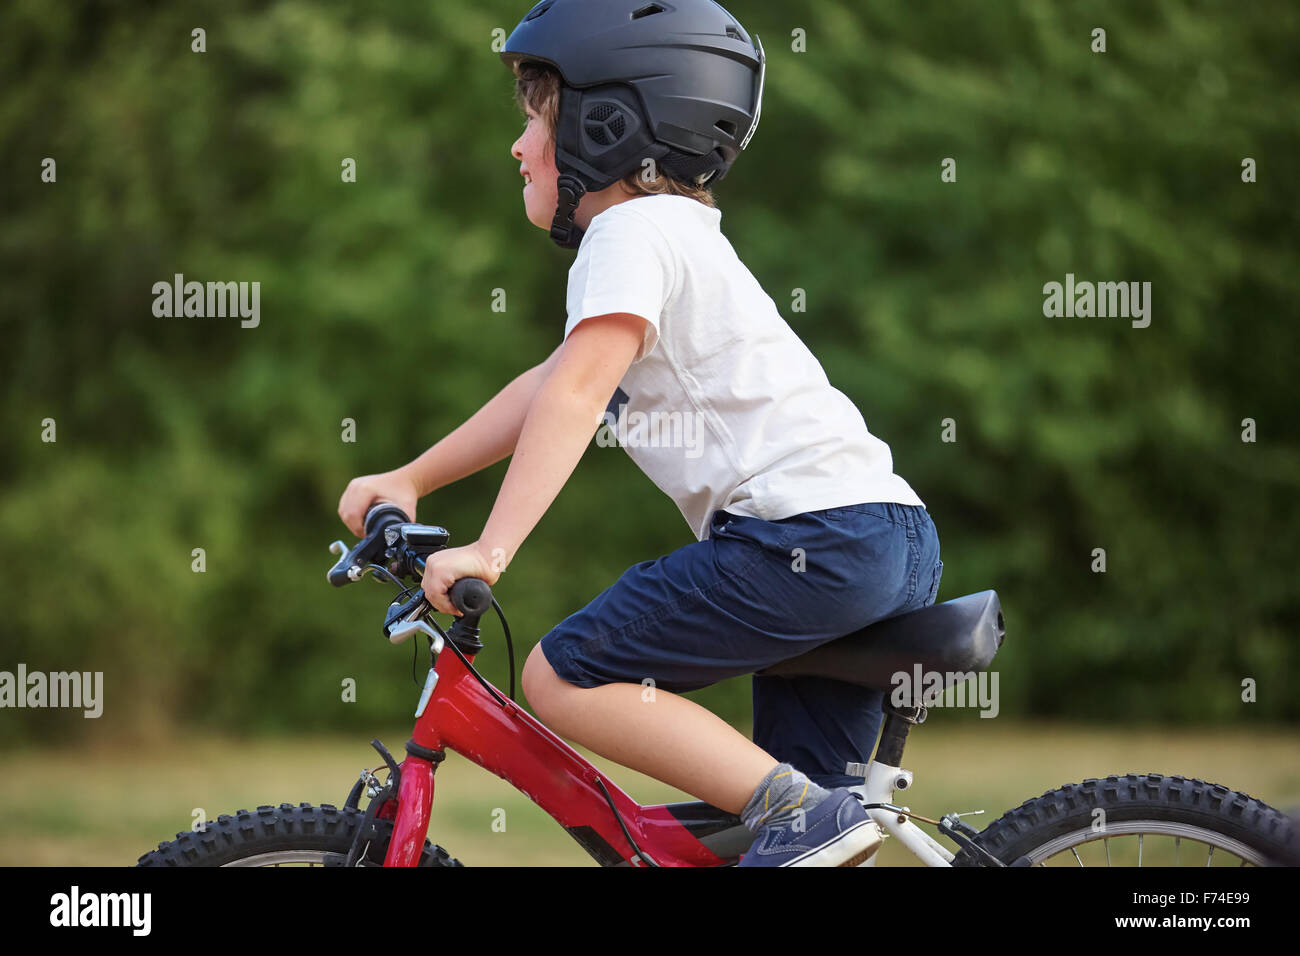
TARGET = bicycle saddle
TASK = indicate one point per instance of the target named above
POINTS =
(957, 637)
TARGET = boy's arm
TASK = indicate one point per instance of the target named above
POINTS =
(558, 427)
(486, 437)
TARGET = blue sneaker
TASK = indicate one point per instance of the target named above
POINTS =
(836, 832)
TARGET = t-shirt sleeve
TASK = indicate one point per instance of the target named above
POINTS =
(624, 264)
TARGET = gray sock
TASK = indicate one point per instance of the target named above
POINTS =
(782, 796)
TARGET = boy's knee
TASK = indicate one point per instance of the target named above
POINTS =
(538, 678)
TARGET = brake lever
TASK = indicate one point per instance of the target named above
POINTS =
(403, 620)
(344, 566)
(355, 562)
(356, 572)
(401, 632)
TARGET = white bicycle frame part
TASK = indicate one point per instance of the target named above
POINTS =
(879, 788)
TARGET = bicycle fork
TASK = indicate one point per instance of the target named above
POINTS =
(410, 788)
(415, 797)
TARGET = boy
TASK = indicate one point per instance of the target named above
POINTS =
(804, 532)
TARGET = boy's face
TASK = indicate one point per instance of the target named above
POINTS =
(537, 165)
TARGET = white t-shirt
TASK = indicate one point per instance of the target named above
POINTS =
(724, 406)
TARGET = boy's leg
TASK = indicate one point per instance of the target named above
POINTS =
(608, 677)
(819, 724)
(795, 821)
(657, 732)
(726, 606)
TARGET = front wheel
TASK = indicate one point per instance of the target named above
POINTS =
(1141, 820)
(283, 836)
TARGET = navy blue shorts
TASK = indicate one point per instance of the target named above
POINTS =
(752, 594)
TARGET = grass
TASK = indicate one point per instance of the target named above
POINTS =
(108, 805)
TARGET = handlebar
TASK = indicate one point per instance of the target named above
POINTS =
(354, 563)
(391, 536)
(402, 546)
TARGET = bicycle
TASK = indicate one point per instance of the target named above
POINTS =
(459, 710)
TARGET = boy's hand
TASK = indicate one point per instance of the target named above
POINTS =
(395, 486)
(444, 568)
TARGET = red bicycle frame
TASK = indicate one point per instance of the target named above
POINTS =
(463, 716)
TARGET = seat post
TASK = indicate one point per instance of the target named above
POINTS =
(898, 721)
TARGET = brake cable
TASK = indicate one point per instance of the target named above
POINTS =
(447, 642)
(415, 645)
(510, 647)
(418, 565)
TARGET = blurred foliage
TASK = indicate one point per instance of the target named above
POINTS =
(924, 303)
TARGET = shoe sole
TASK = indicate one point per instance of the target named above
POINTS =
(845, 850)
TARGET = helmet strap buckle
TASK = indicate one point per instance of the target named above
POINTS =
(569, 191)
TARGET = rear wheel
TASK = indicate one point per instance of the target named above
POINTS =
(283, 836)
(1141, 820)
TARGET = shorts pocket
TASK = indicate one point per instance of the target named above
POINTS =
(874, 509)
(934, 587)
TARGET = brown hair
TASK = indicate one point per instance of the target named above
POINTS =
(537, 87)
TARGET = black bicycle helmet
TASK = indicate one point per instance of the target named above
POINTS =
(676, 81)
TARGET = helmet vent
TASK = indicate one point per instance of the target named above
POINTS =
(733, 32)
(727, 126)
(649, 10)
(538, 10)
(605, 124)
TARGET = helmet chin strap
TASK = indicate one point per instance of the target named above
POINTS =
(570, 190)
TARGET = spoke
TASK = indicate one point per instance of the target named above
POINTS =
(1211, 839)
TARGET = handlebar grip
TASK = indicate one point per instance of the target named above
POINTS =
(471, 596)
(382, 514)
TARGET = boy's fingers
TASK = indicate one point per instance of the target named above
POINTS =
(355, 515)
